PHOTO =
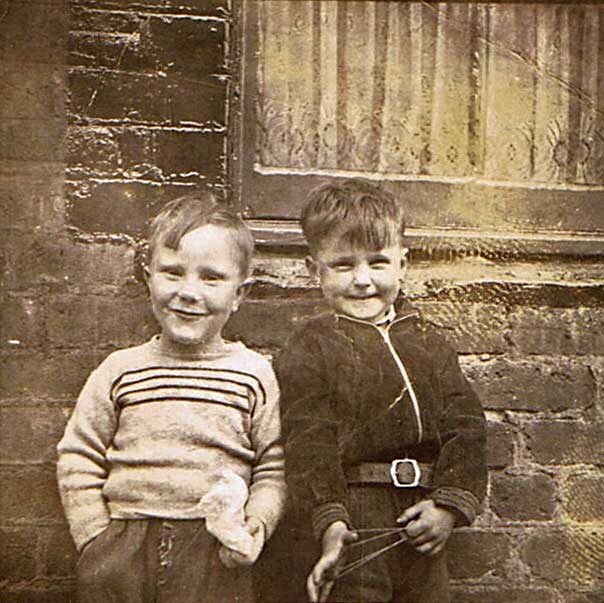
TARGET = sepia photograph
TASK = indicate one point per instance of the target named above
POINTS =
(302, 301)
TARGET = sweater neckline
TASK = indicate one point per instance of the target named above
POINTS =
(229, 347)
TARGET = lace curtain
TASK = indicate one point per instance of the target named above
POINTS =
(449, 91)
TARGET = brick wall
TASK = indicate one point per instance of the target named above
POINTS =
(106, 109)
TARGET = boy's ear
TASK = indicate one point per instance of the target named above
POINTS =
(404, 263)
(311, 266)
(242, 292)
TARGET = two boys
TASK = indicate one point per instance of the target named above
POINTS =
(370, 396)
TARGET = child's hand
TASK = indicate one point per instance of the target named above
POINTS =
(321, 579)
(428, 526)
(232, 559)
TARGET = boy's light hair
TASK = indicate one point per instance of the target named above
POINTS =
(354, 211)
(184, 214)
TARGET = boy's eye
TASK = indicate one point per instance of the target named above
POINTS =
(172, 272)
(341, 266)
(211, 277)
(379, 261)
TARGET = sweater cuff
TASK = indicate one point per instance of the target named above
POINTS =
(83, 534)
(324, 515)
(462, 501)
(267, 503)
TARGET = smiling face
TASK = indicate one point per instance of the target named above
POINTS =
(195, 288)
(358, 282)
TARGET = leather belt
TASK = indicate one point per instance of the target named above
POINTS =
(402, 473)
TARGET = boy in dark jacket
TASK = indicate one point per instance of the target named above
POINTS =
(381, 428)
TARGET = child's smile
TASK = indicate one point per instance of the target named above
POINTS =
(187, 314)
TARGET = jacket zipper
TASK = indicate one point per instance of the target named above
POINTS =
(384, 333)
(403, 371)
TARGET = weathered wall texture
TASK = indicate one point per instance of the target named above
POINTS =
(101, 103)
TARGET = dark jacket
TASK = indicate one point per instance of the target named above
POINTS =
(344, 401)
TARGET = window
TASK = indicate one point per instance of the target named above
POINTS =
(488, 117)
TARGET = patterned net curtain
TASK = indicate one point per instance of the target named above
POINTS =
(447, 91)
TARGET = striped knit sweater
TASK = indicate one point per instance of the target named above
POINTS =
(152, 432)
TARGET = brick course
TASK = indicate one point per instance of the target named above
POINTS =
(18, 554)
(29, 495)
(565, 442)
(523, 497)
(567, 557)
(475, 554)
(531, 384)
(500, 438)
(569, 331)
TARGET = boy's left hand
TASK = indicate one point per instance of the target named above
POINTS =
(428, 526)
(232, 559)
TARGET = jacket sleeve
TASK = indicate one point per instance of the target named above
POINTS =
(82, 464)
(267, 489)
(460, 477)
(315, 477)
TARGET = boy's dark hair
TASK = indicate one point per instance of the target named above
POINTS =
(187, 213)
(356, 211)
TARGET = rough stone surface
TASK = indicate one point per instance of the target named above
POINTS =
(29, 495)
(500, 438)
(572, 332)
(17, 554)
(55, 594)
(35, 376)
(282, 319)
(584, 498)
(20, 320)
(475, 554)
(586, 597)
(58, 552)
(544, 553)
(523, 498)
(121, 206)
(565, 442)
(30, 434)
(532, 384)
(471, 328)
(502, 594)
(571, 556)
(28, 203)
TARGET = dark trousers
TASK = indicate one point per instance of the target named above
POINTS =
(158, 561)
(399, 576)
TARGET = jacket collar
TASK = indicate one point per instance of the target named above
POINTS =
(401, 310)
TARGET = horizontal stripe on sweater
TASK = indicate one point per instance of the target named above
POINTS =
(220, 386)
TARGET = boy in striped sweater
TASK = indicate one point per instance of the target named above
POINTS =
(164, 431)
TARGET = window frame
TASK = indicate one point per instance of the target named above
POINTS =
(282, 231)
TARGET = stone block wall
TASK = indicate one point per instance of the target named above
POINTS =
(110, 107)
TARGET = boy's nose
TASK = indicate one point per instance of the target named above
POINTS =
(189, 292)
(361, 277)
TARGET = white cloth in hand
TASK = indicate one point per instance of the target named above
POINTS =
(223, 508)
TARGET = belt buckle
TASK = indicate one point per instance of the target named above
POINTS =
(417, 472)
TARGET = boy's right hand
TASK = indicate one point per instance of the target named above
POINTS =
(320, 580)
(232, 559)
